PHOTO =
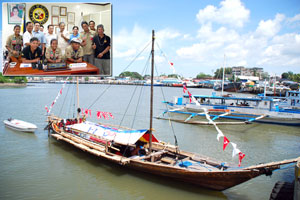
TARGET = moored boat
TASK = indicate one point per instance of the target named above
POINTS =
(20, 125)
(141, 150)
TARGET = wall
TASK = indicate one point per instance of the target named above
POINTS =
(77, 8)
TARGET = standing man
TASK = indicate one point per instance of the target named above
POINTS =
(92, 25)
(32, 53)
(14, 43)
(87, 40)
(28, 34)
(50, 35)
(74, 53)
(40, 36)
(102, 55)
(62, 37)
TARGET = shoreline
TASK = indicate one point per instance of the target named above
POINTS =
(12, 85)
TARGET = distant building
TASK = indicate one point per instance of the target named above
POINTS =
(243, 71)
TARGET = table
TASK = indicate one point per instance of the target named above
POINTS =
(17, 71)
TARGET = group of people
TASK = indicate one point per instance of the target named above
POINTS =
(91, 45)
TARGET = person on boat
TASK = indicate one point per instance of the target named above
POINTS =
(87, 41)
(32, 53)
(53, 53)
(14, 43)
(139, 149)
(75, 33)
(74, 53)
(101, 45)
(28, 34)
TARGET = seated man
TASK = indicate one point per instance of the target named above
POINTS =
(32, 53)
(53, 53)
(74, 53)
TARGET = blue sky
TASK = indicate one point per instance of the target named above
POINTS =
(195, 34)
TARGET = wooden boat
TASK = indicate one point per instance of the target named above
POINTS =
(20, 125)
(142, 151)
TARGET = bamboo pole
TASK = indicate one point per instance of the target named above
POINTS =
(151, 95)
(273, 164)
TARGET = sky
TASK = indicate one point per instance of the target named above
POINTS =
(195, 35)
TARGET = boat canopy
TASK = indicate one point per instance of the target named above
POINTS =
(125, 137)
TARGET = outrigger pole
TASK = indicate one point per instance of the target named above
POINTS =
(151, 95)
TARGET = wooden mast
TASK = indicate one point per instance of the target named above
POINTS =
(151, 95)
(77, 88)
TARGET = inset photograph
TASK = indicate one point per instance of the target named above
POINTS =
(51, 39)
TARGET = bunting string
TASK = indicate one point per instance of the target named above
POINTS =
(48, 110)
(220, 134)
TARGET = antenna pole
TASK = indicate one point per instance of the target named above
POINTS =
(151, 95)
(223, 75)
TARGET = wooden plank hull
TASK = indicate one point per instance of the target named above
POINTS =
(210, 180)
(215, 179)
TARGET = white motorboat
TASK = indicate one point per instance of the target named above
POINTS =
(20, 125)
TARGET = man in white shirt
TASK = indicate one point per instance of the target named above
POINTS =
(28, 34)
(50, 35)
(63, 38)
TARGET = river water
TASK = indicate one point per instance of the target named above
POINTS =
(34, 166)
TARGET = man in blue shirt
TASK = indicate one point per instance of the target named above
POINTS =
(40, 36)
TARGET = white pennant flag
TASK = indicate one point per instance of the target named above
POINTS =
(235, 150)
(220, 134)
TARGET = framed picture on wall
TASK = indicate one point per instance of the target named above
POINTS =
(15, 12)
(63, 19)
(55, 20)
(55, 11)
(63, 11)
(71, 17)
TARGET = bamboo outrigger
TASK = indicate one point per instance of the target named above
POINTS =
(159, 158)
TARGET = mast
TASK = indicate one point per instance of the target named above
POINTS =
(223, 75)
(77, 90)
(151, 95)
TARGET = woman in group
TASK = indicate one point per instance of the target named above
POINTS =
(53, 53)
(75, 33)
(14, 43)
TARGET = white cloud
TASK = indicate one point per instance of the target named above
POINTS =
(270, 27)
(231, 12)
(264, 47)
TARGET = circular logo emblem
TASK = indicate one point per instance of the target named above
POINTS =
(38, 13)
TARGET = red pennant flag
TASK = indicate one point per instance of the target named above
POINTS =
(241, 156)
(52, 104)
(98, 114)
(184, 88)
(60, 91)
(171, 63)
(225, 143)
(81, 111)
(86, 112)
(111, 115)
(47, 109)
(90, 111)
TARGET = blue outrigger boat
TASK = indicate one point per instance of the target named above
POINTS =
(271, 110)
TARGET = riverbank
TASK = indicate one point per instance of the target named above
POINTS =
(2, 85)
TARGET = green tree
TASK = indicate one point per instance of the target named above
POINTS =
(133, 75)
(285, 75)
(173, 76)
(219, 72)
(203, 75)
(86, 79)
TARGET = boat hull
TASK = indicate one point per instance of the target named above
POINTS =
(209, 180)
(215, 180)
(30, 128)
